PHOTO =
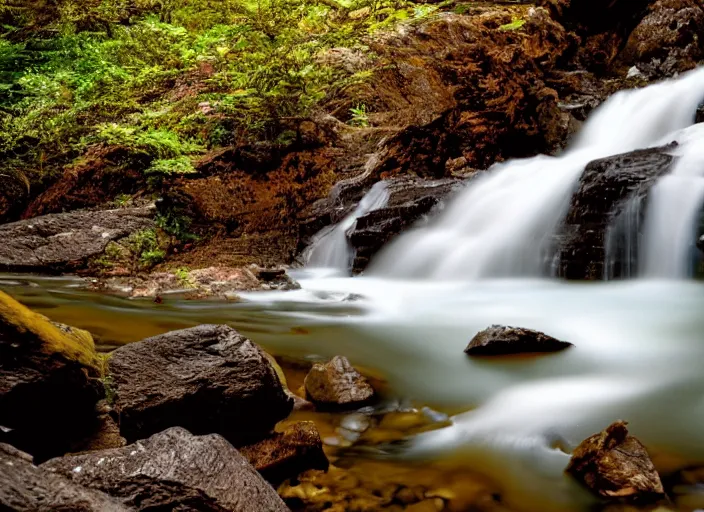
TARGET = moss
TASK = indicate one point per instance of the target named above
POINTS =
(18, 321)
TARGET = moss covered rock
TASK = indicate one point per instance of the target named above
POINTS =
(49, 381)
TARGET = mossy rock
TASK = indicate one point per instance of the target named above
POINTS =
(49, 381)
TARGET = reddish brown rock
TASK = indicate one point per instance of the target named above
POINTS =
(287, 454)
(337, 384)
(499, 340)
(208, 379)
(615, 466)
(173, 470)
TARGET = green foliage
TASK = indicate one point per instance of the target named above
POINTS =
(169, 79)
(359, 116)
(514, 25)
(145, 245)
(184, 278)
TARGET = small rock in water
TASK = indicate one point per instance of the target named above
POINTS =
(500, 340)
(337, 384)
(615, 466)
(287, 454)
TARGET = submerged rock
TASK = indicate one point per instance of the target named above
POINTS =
(337, 384)
(208, 379)
(615, 466)
(27, 488)
(66, 240)
(606, 189)
(49, 381)
(287, 454)
(499, 340)
(173, 470)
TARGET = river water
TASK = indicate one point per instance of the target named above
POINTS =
(637, 357)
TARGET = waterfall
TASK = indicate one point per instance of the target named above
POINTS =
(674, 205)
(503, 223)
(330, 247)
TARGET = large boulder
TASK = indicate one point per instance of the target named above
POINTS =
(668, 40)
(608, 189)
(337, 384)
(27, 488)
(499, 340)
(207, 379)
(615, 466)
(66, 240)
(49, 381)
(287, 454)
(173, 470)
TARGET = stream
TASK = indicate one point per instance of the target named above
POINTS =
(637, 357)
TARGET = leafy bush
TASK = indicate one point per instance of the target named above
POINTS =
(137, 73)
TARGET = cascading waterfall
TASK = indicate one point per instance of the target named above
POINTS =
(674, 205)
(503, 223)
(330, 248)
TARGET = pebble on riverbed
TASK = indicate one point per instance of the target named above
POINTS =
(499, 340)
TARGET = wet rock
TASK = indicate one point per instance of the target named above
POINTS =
(615, 466)
(499, 340)
(49, 381)
(337, 384)
(27, 488)
(668, 40)
(208, 379)
(607, 189)
(173, 470)
(287, 454)
(65, 241)
(409, 200)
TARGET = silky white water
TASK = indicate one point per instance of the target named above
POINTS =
(330, 247)
(503, 223)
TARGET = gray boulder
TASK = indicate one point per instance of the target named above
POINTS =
(173, 470)
(207, 379)
(27, 488)
(63, 241)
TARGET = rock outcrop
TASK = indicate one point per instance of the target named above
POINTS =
(287, 454)
(615, 466)
(608, 188)
(336, 384)
(64, 241)
(499, 340)
(49, 381)
(668, 40)
(173, 470)
(207, 379)
(27, 488)
(409, 200)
